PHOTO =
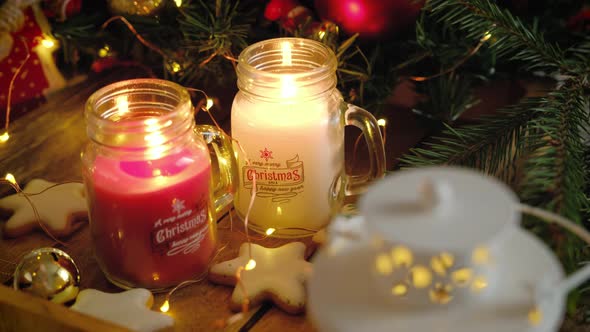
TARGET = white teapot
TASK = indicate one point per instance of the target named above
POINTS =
(441, 250)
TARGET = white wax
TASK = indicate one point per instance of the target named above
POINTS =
(310, 135)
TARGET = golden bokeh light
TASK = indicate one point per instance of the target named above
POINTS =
(462, 277)
(420, 276)
(441, 293)
(399, 289)
(479, 284)
(481, 256)
(535, 316)
(383, 264)
(402, 256)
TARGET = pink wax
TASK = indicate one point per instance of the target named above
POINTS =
(151, 221)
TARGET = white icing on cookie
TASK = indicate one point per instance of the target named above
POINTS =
(58, 208)
(130, 309)
(279, 276)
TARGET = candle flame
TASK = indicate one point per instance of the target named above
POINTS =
(287, 58)
(122, 104)
(155, 139)
(288, 89)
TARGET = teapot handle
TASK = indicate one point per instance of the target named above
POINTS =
(576, 278)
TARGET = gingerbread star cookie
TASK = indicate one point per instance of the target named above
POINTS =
(59, 208)
(130, 309)
(279, 276)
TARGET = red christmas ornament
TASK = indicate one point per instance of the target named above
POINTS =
(371, 19)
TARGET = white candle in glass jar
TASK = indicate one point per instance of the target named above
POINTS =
(289, 119)
(295, 151)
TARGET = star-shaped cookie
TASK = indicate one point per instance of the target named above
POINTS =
(279, 276)
(130, 309)
(59, 208)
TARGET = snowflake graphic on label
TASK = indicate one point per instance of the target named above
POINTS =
(266, 154)
(177, 206)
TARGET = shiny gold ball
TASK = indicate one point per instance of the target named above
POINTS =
(135, 7)
(48, 273)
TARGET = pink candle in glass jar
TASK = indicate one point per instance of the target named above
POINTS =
(147, 175)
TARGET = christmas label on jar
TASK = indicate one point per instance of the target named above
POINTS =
(275, 180)
(181, 232)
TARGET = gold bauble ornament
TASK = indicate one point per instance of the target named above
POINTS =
(48, 273)
(135, 7)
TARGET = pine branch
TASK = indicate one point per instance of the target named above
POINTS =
(448, 97)
(556, 174)
(509, 36)
(214, 34)
(492, 145)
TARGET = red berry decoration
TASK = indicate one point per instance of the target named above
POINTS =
(369, 18)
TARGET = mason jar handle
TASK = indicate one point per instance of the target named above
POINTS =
(366, 122)
(223, 167)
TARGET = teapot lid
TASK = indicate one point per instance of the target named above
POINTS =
(439, 208)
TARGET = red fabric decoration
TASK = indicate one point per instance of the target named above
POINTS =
(31, 84)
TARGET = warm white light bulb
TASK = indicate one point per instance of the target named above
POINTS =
(10, 178)
(251, 265)
(4, 137)
(48, 42)
(165, 306)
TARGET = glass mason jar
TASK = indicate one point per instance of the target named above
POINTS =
(288, 119)
(147, 173)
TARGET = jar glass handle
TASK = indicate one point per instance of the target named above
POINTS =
(223, 167)
(366, 122)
